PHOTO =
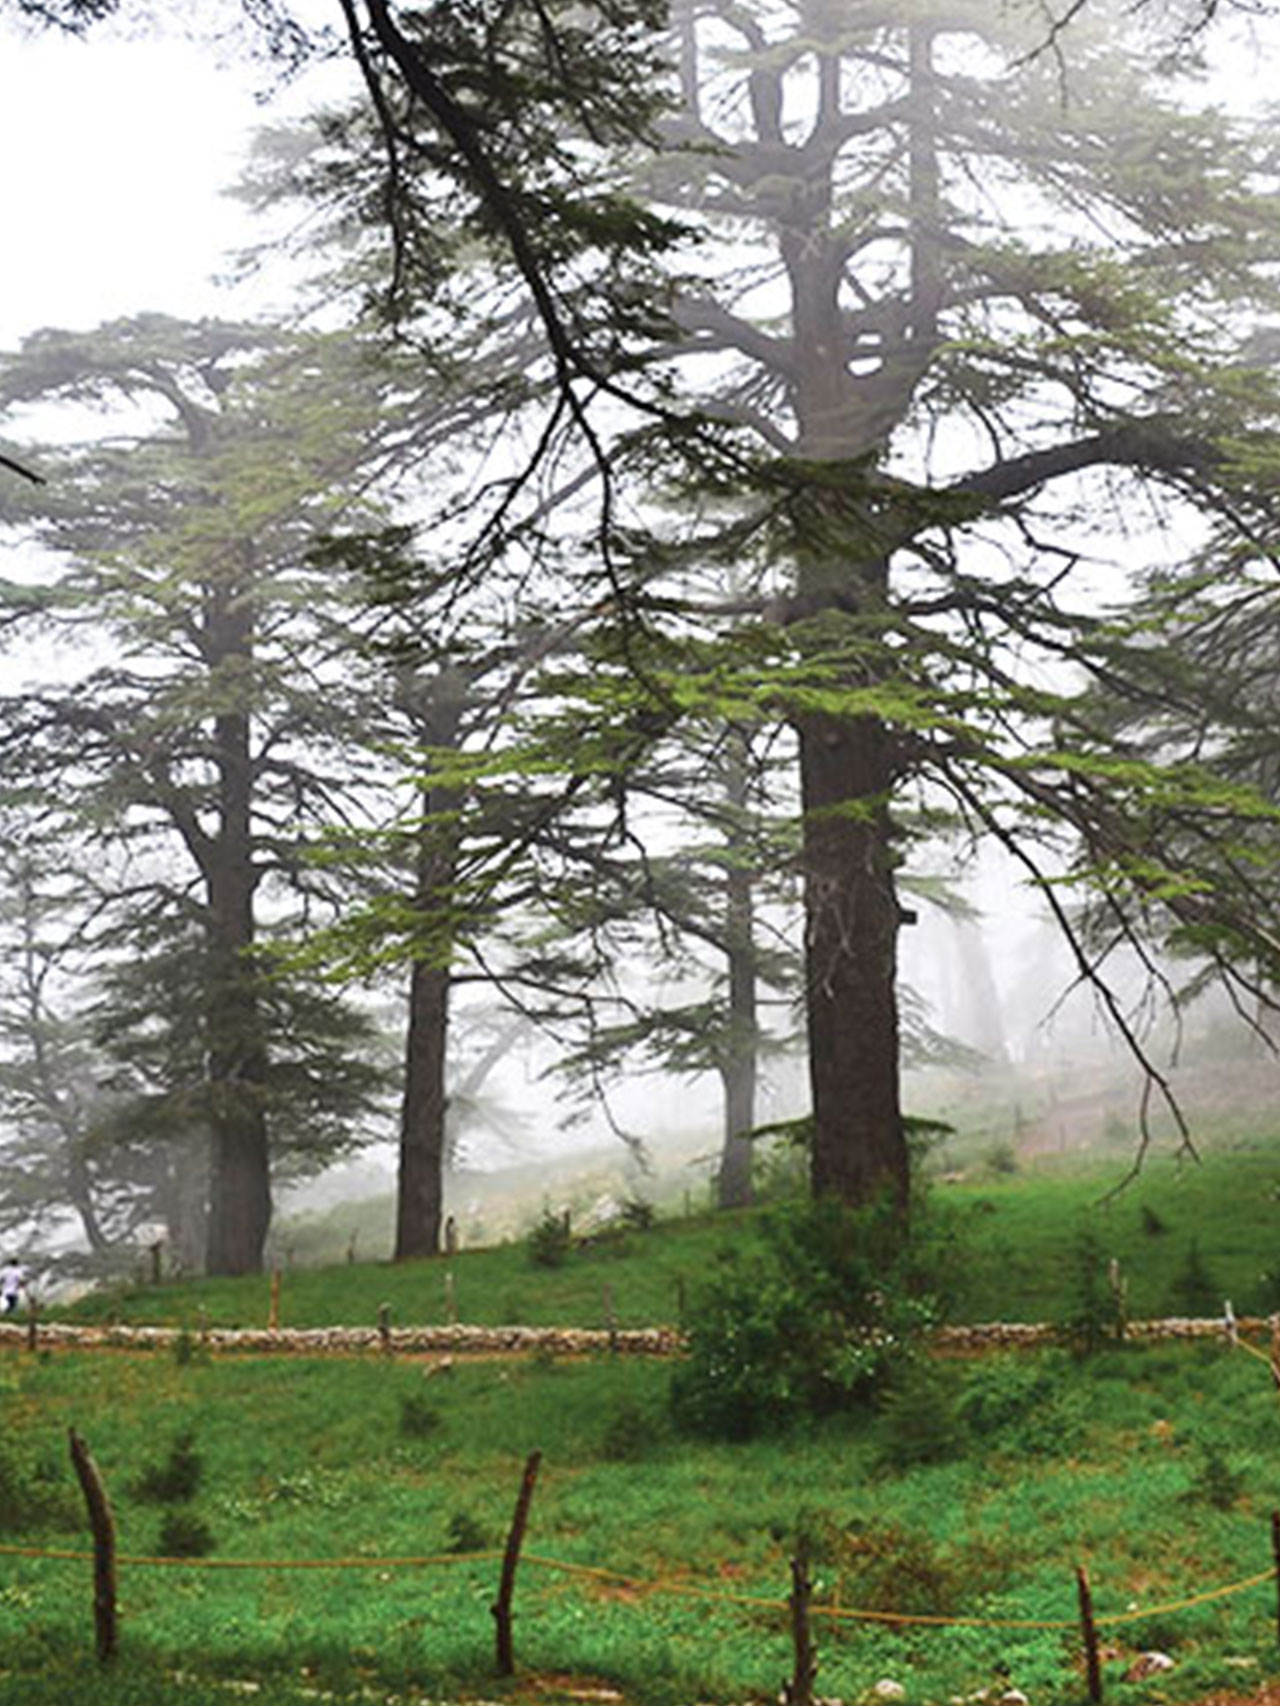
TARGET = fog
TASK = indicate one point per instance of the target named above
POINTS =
(119, 155)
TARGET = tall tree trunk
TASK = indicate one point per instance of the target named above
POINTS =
(239, 1158)
(420, 1190)
(851, 936)
(738, 1067)
(439, 706)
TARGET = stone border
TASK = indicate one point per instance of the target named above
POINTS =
(525, 1341)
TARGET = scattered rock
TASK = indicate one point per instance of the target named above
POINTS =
(888, 1689)
(1148, 1664)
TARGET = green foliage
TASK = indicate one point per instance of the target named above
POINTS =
(1095, 1314)
(550, 1240)
(175, 1477)
(184, 1534)
(419, 1418)
(630, 1433)
(1215, 1483)
(34, 1491)
(1026, 1407)
(813, 1323)
(466, 1534)
(919, 1418)
(638, 1214)
(1195, 1291)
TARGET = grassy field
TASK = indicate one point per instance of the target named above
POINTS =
(1158, 1468)
(1013, 1238)
(972, 1493)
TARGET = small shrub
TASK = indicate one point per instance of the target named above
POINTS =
(33, 1491)
(1024, 1407)
(1215, 1482)
(550, 1240)
(628, 1435)
(1194, 1290)
(183, 1534)
(1095, 1315)
(175, 1478)
(637, 1214)
(418, 1417)
(1152, 1224)
(919, 1420)
(466, 1534)
(1001, 1159)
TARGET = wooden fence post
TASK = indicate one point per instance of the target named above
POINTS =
(384, 1327)
(103, 1523)
(501, 1607)
(273, 1307)
(799, 1691)
(1089, 1629)
(1275, 1553)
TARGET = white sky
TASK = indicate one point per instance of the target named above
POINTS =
(114, 156)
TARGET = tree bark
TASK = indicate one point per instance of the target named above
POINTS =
(439, 707)
(851, 936)
(420, 1193)
(739, 1066)
(239, 1158)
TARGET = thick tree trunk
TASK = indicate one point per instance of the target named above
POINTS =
(239, 1156)
(420, 1194)
(851, 935)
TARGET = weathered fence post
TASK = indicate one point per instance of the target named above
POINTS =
(1275, 1553)
(103, 1524)
(1229, 1325)
(157, 1261)
(799, 1691)
(501, 1607)
(273, 1307)
(384, 1327)
(1089, 1629)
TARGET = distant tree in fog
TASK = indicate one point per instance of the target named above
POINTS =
(197, 718)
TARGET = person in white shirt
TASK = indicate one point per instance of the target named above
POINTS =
(13, 1282)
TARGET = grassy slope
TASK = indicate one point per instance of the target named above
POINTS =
(1014, 1237)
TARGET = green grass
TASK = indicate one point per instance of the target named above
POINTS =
(1058, 1462)
(1012, 1238)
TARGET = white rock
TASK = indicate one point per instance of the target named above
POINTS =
(888, 1689)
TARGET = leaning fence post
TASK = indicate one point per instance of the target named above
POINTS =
(799, 1691)
(1093, 1667)
(103, 1524)
(501, 1607)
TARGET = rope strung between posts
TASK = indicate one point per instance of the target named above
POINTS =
(690, 1590)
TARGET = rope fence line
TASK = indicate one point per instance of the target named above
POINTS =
(649, 1584)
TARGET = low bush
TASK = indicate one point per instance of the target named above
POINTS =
(34, 1490)
(418, 1417)
(183, 1534)
(176, 1477)
(813, 1322)
(550, 1240)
